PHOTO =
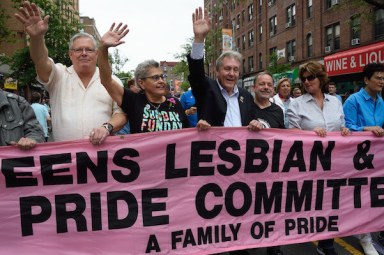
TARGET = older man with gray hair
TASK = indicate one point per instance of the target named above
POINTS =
(80, 105)
(220, 102)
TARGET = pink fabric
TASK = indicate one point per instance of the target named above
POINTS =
(227, 162)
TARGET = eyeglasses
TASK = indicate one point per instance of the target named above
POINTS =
(81, 50)
(309, 78)
(155, 77)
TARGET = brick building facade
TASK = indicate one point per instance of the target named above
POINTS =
(297, 30)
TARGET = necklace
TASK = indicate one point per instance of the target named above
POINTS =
(158, 115)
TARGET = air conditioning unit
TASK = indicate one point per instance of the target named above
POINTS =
(237, 26)
(221, 18)
(288, 24)
(355, 41)
(269, 3)
(250, 17)
(291, 59)
(251, 69)
(327, 49)
(238, 49)
(271, 34)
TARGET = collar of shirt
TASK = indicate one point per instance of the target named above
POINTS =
(225, 93)
(308, 97)
(366, 96)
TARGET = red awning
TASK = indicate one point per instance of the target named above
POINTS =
(354, 60)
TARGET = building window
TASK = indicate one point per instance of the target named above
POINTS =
(238, 21)
(379, 24)
(291, 16)
(251, 35)
(243, 65)
(250, 12)
(309, 9)
(238, 43)
(355, 29)
(260, 61)
(309, 46)
(260, 7)
(333, 37)
(260, 33)
(291, 50)
(271, 52)
(243, 17)
(250, 64)
(271, 2)
(244, 41)
(273, 26)
(330, 3)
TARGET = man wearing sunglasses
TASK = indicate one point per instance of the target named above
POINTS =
(80, 105)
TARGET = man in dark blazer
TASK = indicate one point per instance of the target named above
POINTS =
(220, 102)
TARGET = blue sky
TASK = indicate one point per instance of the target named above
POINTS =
(158, 29)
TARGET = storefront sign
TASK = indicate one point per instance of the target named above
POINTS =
(354, 60)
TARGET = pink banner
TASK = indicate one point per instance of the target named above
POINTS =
(189, 192)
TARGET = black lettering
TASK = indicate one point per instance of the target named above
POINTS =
(120, 160)
(149, 207)
(189, 239)
(290, 224)
(12, 178)
(262, 199)
(204, 235)
(230, 199)
(152, 245)
(294, 197)
(26, 216)
(229, 157)
(176, 238)
(201, 207)
(197, 158)
(99, 170)
(170, 171)
(325, 158)
(276, 156)
(295, 158)
(251, 156)
(332, 223)
(55, 177)
(336, 184)
(319, 195)
(377, 192)
(113, 218)
(62, 214)
(96, 211)
(357, 183)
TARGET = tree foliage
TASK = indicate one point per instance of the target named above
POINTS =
(274, 67)
(181, 68)
(63, 24)
(5, 32)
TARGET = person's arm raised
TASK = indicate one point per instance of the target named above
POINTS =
(111, 38)
(201, 24)
(36, 27)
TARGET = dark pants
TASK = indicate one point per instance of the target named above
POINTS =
(326, 244)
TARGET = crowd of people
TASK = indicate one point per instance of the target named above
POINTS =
(87, 101)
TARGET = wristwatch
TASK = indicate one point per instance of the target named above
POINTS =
(108, 126)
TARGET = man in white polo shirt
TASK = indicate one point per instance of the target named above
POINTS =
(80, 105)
